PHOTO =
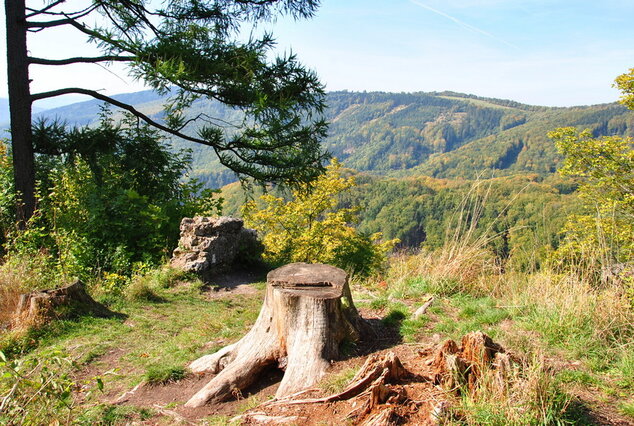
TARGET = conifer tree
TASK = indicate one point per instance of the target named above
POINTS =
(186, 49)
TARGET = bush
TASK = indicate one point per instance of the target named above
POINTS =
(109, 198)
(307, 228)
(7, 195)
(140, 291)
(604, 234)
(36, 391)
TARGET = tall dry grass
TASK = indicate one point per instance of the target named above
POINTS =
(465, 261)
(9, 296)
(565, 300)
(20, 274)
(567, 315)
(529, 395)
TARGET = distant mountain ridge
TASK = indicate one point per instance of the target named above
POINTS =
(439, 134)
(4, 113)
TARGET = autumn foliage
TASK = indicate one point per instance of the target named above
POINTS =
(308, 228)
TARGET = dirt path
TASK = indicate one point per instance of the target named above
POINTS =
(229, 285)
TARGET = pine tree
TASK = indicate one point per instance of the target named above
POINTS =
(186, 49)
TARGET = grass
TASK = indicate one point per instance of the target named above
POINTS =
(473, 313)
(159, 374)
(564, 318)
(533, 396)
(22, 274)
(248, 403)
(544, 317)
(220, 420)
(106, 415)
(627, 408)
(334, 383)
(153, 342)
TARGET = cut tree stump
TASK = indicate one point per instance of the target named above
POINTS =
(306, 315)
(41, 306)
(461, 367)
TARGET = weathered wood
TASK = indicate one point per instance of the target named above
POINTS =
(376, 370)
(423, 309)
(306, 315)
(41, 306)
(387, 417)
(461, 367)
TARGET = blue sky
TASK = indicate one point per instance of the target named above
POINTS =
(546, 52)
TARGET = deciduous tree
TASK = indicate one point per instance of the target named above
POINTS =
(309, 227)
(604, 166)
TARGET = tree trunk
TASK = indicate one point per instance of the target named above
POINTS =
(20, 108)
(307, 313)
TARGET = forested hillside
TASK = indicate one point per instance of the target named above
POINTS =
(443, 135)
(524, 212)
(417, 155)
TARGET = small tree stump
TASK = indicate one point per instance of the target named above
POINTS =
(41, 306)
(307, 313)
(462, 367)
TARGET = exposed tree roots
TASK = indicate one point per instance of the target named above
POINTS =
(306, 315)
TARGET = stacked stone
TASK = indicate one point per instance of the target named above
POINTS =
(212, 244)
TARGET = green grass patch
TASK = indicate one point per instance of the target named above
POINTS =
(334, 383)
(576, 334)
(472, 314)
(395, 316)
(248, 403)
(379, 303)
(413, 288)
(219, 420)
(106, 415)
(625, 369)
(154, 341)
(160, 374)
(627, 408)
(577, 376)
(411, 329)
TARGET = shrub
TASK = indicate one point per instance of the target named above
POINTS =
(109, 198)
(7, 195)
(307, 228)
(36, 390)
(604, 234)
(140, 291)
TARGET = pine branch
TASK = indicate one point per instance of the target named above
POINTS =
(81, 60)
(59, 22)
(35, 12)
(124, 106)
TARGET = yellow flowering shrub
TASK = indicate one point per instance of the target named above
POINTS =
(309, 228)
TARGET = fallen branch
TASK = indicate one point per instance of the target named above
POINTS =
(126, 395)
(421, 311)
(173, 414)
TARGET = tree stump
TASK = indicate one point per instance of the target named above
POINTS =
(307, 313)
(41, 306)
(461, 367)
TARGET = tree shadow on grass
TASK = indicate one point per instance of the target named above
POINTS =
(228, 281)
(385, 334)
